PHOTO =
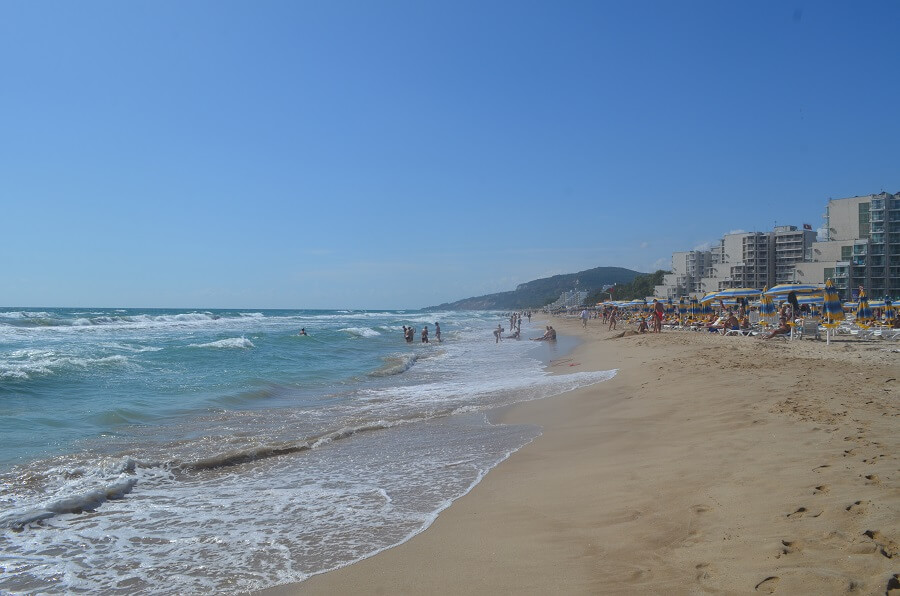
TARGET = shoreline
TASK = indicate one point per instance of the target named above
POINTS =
(694, 469)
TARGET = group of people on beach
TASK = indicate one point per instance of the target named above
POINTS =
(409, 333)
(515, 326)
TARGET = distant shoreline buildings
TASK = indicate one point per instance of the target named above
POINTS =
(860, 247)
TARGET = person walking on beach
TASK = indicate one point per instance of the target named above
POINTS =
(425, 334)
(584, 318)
(437, 331)
(612, 318)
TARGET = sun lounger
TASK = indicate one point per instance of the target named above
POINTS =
(809, 329)
(740, 332)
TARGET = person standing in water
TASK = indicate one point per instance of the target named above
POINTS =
(425, 334)
(437, 331)
(497, 333)
(303, 331)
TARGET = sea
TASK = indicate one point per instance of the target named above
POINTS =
(195, 451)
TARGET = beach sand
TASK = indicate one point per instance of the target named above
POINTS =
(709, 464)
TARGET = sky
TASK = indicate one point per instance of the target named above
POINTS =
(402, 154)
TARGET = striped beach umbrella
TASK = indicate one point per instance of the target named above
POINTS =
(682, 309)
(670, 307)
(863, 311)
(890, 312)
(739, 293)
(709, 298)
(694, 308)
(834, 313)
(766, 310)
(785, 289)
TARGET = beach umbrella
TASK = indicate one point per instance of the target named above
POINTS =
(834, 313)
(890, 313)
(785, 289)
(682, 309)
(709, 298)
(693, 308)
(812, 299)
(670, 307)
(739, 293)
(766, 309)
(863, 311)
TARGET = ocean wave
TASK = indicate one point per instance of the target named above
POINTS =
(26, 364)
(231, 342)
(137, 349)
(75, 503)
(394, 365)
(25, 314)
(361, 331)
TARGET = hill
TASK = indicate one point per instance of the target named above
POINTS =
(537, 293)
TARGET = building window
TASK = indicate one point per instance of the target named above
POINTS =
(864, 220)
(846, 253)
(829, 273)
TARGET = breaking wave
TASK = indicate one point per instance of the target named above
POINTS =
(232, 342)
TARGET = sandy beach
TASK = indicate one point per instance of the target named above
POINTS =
(708, 464)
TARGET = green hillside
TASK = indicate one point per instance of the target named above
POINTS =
(537, 293)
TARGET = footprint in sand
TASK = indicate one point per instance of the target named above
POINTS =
(893, 586)
(872, 479)
(768, 585)
(858, 507)
(803, 512)
(702, 572)
(886, 546)
(791, 546)
(822, 488)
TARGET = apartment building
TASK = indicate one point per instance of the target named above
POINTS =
(738, 260)
(861, 247)
(688, 268)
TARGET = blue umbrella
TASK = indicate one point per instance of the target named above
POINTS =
(785, 289)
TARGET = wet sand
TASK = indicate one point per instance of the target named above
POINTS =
(709, 464)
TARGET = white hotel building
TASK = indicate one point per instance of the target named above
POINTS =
(861, 247)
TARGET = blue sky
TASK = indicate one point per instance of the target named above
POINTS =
(358, 154)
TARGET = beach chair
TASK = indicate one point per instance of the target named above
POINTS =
(809, 329)
(740, 332)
